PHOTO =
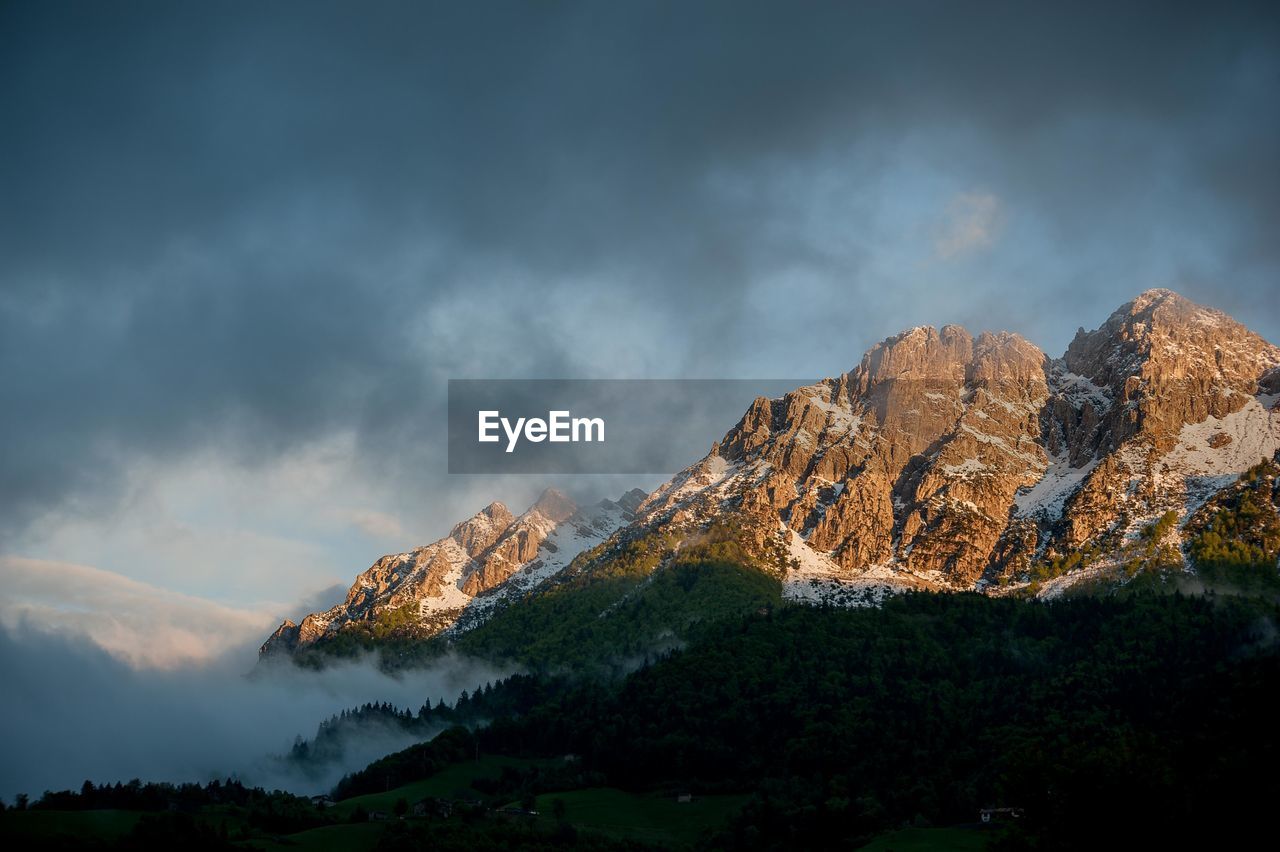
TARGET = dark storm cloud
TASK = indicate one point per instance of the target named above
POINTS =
(252, 224)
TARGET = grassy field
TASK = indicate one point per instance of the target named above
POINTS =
(647, 818)
(932, 840)
(78, 824)
(452, 782)
(358, 837)
(611, 812)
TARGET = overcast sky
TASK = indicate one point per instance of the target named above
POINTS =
(243, 245)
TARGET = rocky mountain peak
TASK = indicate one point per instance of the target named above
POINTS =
(1007, 361)
(1160, 297)
(630, 501)
(482, 529)
(554, 505)
(1164, 362)
(919, 354)
(913, 456)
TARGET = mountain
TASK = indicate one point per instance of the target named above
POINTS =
(943, 461)
(901, 470)
(946, 461)
(491, 555)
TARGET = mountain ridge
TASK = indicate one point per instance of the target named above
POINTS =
(943, 461)
(492, 552)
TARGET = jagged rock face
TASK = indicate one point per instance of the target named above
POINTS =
(518, 543)
(1166, 362)
(445, 579)
(913, 456)
(953, 433)
(957, 461)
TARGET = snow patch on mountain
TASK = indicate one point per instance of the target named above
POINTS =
(1211, 454)
(814, 578)
(837, 415)
(450, 596)
(965, 469)
(1047, 497)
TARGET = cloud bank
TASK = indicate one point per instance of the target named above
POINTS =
(71, 712)
(135, 623)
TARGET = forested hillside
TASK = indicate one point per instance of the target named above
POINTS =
(1142, 713)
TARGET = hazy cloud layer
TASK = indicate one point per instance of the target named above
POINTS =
(71, 712)
(134, 622)
(237, 235)
(973, 223)
(142, 625)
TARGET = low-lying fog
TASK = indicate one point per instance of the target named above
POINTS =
(70, 712)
